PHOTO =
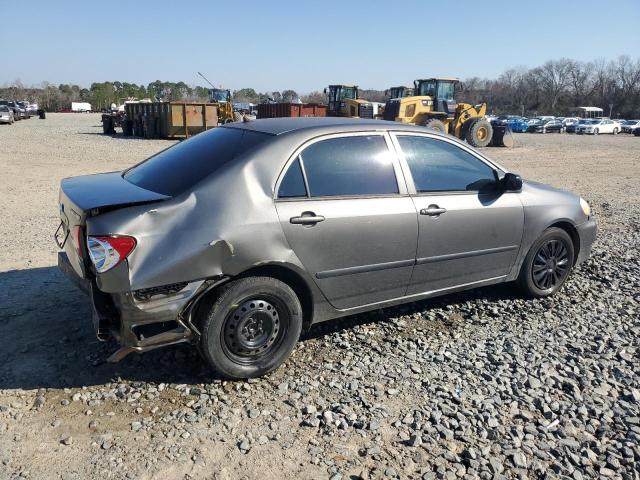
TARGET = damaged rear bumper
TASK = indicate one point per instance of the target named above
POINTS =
(141, 320)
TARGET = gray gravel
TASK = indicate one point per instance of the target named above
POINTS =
(481, 384)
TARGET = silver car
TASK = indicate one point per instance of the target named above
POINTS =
(6, 115)
(240, 238)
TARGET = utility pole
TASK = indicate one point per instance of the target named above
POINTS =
(610, 109)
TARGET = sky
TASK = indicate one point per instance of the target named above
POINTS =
(303, 45)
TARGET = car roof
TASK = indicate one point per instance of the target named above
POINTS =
(279, 126)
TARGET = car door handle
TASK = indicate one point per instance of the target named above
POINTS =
(433, 211)
(307, 218)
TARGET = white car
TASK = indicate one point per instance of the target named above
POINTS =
(597, 126)
(630, 125)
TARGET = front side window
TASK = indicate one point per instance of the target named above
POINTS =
(446, 90)
(439, 166)
(358, 165)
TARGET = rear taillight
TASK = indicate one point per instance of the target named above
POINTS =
(108, 251)
(76, 236)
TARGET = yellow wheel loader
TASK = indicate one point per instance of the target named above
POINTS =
(433, 105)
(343, 101)
(222, 99)
(399, 92)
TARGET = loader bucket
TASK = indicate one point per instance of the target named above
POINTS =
(502, 136)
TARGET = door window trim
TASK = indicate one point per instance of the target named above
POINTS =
(394, 134)
(400, 176)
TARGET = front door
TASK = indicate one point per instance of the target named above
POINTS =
(469, 232)
(348, 220)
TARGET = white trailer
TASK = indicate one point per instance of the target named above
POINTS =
(81, 107)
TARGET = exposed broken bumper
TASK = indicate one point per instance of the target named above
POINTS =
(141, 320)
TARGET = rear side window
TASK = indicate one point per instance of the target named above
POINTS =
(358, 165)
(181, 166)
(439, 166)
(292, 184)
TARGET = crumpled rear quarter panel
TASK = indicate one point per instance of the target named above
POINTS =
(226, 224)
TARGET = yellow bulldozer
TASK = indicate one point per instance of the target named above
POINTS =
(343, 101)
(433, 105)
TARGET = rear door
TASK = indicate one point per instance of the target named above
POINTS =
(468, 232)
(346, 213)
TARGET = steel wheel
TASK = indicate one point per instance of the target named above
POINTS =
(254, 330)
(551, 265)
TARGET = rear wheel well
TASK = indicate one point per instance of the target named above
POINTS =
(294, 280)
(573, 233)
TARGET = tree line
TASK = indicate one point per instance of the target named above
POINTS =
(554, 88)
(558, 86)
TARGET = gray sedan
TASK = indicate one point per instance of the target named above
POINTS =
(238, 239)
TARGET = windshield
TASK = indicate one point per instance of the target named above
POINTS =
(347, 92)
(4, 108)
(427, 89)
(218, 95)
(181, 166)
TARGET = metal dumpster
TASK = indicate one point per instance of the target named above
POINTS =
(275, 110)
(169, 119)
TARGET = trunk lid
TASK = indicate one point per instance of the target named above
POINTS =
(85, 196)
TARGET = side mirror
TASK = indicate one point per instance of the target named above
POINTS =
(511, 182)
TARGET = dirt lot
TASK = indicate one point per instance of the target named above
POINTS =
(475, 385)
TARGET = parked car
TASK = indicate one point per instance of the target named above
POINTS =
(570, 121)
(14, 107)
(546, 126)
(242, 236)
(29, 108)
(6, 115)
(24, 109)
(573, 127)
(629, 126)
(636, 132)
(541, 117)
(597, 126)
(514, 122)
(517, 124)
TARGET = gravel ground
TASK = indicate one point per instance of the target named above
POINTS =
(481, 384)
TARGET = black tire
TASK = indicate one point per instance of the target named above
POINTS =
(596, 131)
(435, 124)
(615, 131)
(479, 132)
(249, 343)
(547, 264)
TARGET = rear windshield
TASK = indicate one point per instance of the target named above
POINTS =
(181, 166)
